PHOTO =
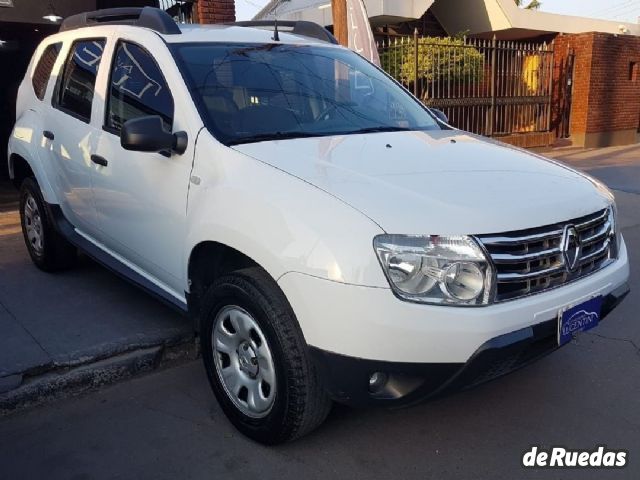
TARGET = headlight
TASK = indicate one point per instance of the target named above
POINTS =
(615, 233)
(433, 269)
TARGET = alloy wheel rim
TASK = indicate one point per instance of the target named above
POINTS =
(33, 224)
(244, 361)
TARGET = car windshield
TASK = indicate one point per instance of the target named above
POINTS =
(258, 92)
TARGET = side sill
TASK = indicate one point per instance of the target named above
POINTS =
(66, 229)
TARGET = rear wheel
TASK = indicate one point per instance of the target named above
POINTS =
(257, 360)
(48, 250)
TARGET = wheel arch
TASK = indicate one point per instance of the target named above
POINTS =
(209, 260)
(19, 169)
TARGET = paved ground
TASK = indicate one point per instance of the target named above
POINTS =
(618, 167)
(167, 424)
(53, 323)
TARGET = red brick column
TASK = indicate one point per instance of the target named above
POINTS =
(606, 87)
(215, 11)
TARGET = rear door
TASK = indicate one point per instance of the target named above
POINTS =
(141, 198)
(71, 133)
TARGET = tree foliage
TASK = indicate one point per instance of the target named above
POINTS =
(532, 5)
(438, 58)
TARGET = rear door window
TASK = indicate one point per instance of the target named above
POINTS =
(78, 81)
(44, 67)
(137, 88)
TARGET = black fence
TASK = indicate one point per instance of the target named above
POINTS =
(489, 87)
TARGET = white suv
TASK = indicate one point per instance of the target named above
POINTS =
(331, 237)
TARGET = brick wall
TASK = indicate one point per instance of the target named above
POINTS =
(606, 87)
(614, 99)
(215, 11)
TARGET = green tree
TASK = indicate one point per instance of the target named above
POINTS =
(532, 5)
(438, 59)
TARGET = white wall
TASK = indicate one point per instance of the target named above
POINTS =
(319, 11)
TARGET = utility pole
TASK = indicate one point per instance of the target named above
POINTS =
(340, 29)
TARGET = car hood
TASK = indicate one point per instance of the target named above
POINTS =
(437, 182)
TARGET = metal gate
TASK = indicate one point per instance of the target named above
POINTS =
(489, 87)
(565, 91)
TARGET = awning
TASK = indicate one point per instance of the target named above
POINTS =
(508, 22)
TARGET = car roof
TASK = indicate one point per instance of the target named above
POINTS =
(196, 33)
(235, 34)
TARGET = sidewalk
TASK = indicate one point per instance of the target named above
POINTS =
(8, 196)
(618, 167)
(70, 331)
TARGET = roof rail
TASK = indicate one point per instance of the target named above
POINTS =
(148, 17)
(300, 27)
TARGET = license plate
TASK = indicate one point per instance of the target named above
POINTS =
(580, 318)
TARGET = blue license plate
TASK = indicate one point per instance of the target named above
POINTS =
(578, 319)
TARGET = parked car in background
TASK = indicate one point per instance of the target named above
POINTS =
(332, 238)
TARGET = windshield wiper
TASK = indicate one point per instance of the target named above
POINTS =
(265, 137)
(381, 129)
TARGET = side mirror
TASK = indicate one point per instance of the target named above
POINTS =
(147, 134)
(440, 115)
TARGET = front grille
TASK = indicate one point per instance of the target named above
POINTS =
(532, 261)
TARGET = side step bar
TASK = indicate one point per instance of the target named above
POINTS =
(64, 228)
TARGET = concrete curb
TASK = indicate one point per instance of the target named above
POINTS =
(70, 381)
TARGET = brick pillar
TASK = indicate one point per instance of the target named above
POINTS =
(581, 45)
(215, 11)
(606, 87)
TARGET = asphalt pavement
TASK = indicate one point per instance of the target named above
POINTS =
(168, 425)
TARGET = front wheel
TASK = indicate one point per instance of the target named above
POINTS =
(257, 360)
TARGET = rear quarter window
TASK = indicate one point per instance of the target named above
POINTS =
(44, 67)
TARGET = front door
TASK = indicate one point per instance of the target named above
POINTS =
(141, 198)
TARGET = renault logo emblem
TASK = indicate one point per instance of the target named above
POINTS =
(571, 247)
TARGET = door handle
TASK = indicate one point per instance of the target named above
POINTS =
(48, 134)
(98, 160)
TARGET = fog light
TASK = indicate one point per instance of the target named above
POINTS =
(377, 381)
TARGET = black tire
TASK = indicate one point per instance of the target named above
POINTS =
(301, 403)
(54, 253)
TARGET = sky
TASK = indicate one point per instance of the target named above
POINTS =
(619, 10)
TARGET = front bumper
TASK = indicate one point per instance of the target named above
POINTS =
(431, 348)
(347, 378)
(371, 323)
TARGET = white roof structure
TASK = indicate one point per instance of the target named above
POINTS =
(477, 17)
(381, 12)
(508, 22)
